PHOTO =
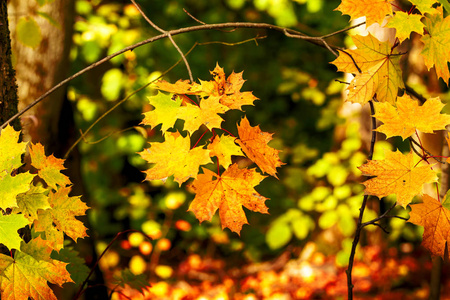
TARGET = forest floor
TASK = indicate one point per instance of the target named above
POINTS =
(394, 275)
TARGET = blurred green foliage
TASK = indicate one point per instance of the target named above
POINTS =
(318, 190)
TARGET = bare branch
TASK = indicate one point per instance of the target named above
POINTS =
(151, 40)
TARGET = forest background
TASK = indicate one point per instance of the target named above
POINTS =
(313, 205)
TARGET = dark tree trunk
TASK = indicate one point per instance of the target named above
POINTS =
(8, 86)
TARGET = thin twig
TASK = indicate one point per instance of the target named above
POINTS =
(151, 40)
(359, 226)
(411, 141)
(193, 18)
(168, 35)
(83, 135)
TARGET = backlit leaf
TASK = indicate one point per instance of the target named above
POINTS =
(227, 193)
(404, 24)
(408, 117)
(9, 224)
(224, 147)
(374, 10)
(397, 174)
(165, 111)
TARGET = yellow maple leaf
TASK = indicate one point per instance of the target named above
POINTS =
(165, 111)
(408, 116)
(205, 114)
(435, 218)
(25, 276)
(174, 157)
(405, 23)
(228, 89)
(228, 193)
(254, 144)
(437, 44)
(397, 174)
(10, 150)
(224, 147)
(374, 10)
(379, 70)
(181, 87)
(49, 167)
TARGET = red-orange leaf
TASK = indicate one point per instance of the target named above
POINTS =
(254, 144)
(435, 218)
(228, 193)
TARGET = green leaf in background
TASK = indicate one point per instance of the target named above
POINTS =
(137, 282)
(28, 32)
(49, 18)
(43, 2)
(76, 265)
(9, 225)
(112, 84)
(278, 235)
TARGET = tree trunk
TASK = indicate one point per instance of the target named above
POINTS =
(8, 92)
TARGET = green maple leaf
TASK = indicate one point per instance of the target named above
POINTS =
(405, 24)
(425, 6)
(29, 202)
(76, 265)
(9, 224)
(165, 111)
(11, 186)
(436, 44)
(10, 150)
(25, 276)
(137, 282)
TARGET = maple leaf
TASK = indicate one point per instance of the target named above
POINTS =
(436, 44)
(181, 87)
(60, 218)
(25, 276)
(165, 111)
(405, 23)
(49, 167)
(396, 174)
(224, 147)
(228, 193)
(137, 282)
(10, 150)
(206, 114)
(408, 116)
(435, 218)
(174, 157)
(380, 70)
(9, 224)
(254, 144)
(29, 202)
(425, 6)
(374, 10)
(228, 89)
(11, 186)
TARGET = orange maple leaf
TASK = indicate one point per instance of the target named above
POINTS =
(254, 144)
(374, 10)
(49, 167)
(435, 218)
(228, 89)
(174, 157)
(397, 174)
(26, 275)
(379, 70)
(228, 193)
(408, 116)
(61, 219)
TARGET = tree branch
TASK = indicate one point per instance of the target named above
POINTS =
(359, 224)
(165, 35)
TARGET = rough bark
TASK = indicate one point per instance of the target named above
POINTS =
(8, 86)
